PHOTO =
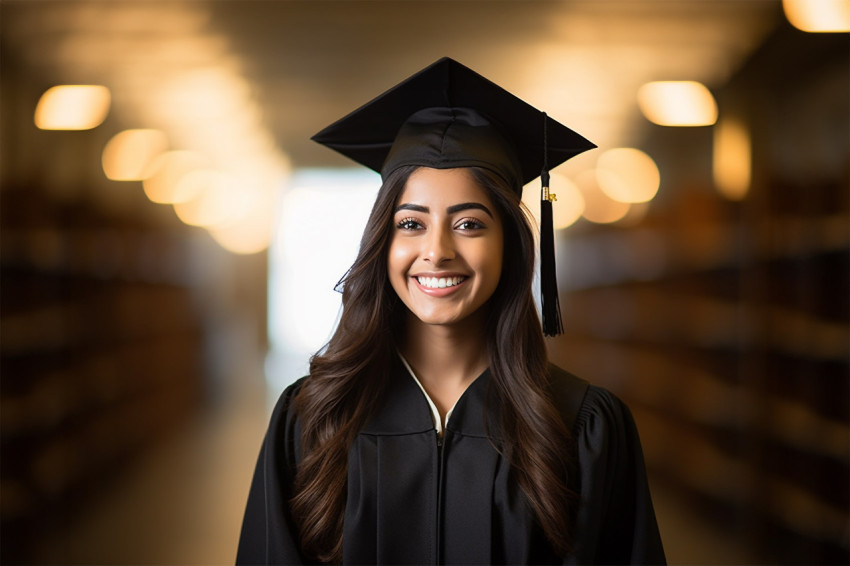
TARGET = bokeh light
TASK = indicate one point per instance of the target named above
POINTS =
(252, 231)
(129, 154)
(818, 16)
(215, 198)
(163, 184)
(677, 103)
(565, 210)
(628, 175)
(72, 107)
(599, 207)
(732, 163)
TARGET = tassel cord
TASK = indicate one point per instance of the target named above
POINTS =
(550, 304)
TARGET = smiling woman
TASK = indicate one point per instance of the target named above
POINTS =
(445, 256)
(431, 428)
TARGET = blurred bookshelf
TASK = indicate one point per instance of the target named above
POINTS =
(726, 325)
(100, 354)
(738, 383)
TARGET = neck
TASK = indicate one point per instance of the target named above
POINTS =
(446, 359)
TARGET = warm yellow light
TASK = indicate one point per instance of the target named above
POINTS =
(252, 232)
(129, 154)
(163, 184)
(569, 204)
(72, 107)
(599, 207)
(677, 103)
(818, 16)
(216, 199)
(566, 209)
(628, 175)
(531, 200)
(244, 238)
(732, 159)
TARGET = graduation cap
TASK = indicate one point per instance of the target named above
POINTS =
(448, 116)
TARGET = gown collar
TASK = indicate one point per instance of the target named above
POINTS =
(406, 408)
(435, 412)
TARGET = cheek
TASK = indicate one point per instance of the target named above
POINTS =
(487, 260)
(494, 255)
(398, 262)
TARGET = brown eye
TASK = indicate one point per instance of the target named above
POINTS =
(470, 224)
(408, 224)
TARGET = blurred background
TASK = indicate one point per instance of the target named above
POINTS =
(170, 240)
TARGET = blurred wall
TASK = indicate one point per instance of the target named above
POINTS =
(725, 324)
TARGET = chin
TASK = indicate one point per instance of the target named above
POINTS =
(451, 319)
(436, 320)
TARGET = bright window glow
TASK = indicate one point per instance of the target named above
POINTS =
(732, 159)
(129, 154)
(566, 209)
(818, 16)
(320, 222)
(630, 175)
(72, 107)
(677, 103)
(599, 207)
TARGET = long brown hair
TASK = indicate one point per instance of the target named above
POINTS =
(335, 402)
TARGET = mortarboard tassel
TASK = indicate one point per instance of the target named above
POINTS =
(552, 325)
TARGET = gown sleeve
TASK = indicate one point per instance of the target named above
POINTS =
(615, 522)
(268, 533)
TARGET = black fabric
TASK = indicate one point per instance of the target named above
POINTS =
(368, 134)
(414, 501)
(445, 138)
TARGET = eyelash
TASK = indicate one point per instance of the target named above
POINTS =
(414, 224)
(408, 224)
(476, 224)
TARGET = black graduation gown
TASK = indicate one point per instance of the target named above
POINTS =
(416, 499)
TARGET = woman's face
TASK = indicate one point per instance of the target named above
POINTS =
(446, 247)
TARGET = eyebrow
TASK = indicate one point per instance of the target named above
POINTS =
(451, 210)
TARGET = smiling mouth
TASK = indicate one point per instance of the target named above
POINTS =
(440, 282)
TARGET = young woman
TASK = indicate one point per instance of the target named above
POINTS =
(432, 428)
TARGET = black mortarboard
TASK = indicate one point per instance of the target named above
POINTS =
(447, 116)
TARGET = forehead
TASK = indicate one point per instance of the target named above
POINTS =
(437, 187)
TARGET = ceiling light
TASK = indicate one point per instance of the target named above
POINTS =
(216, 200)
(628, 175)
(566, 209)
(732, 163)
(129, 154)
(599, 207)
(253, 231)
(568, 206)
(677, 103)
(163, 184)
(818, 16)
(72, 107)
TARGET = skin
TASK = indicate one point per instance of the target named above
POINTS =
(444, 226)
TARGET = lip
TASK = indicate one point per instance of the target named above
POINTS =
(439, 292)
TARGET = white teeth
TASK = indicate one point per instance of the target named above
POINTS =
(439, 282)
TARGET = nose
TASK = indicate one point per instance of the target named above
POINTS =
(439, 245)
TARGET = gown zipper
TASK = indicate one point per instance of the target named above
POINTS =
(439, 518)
